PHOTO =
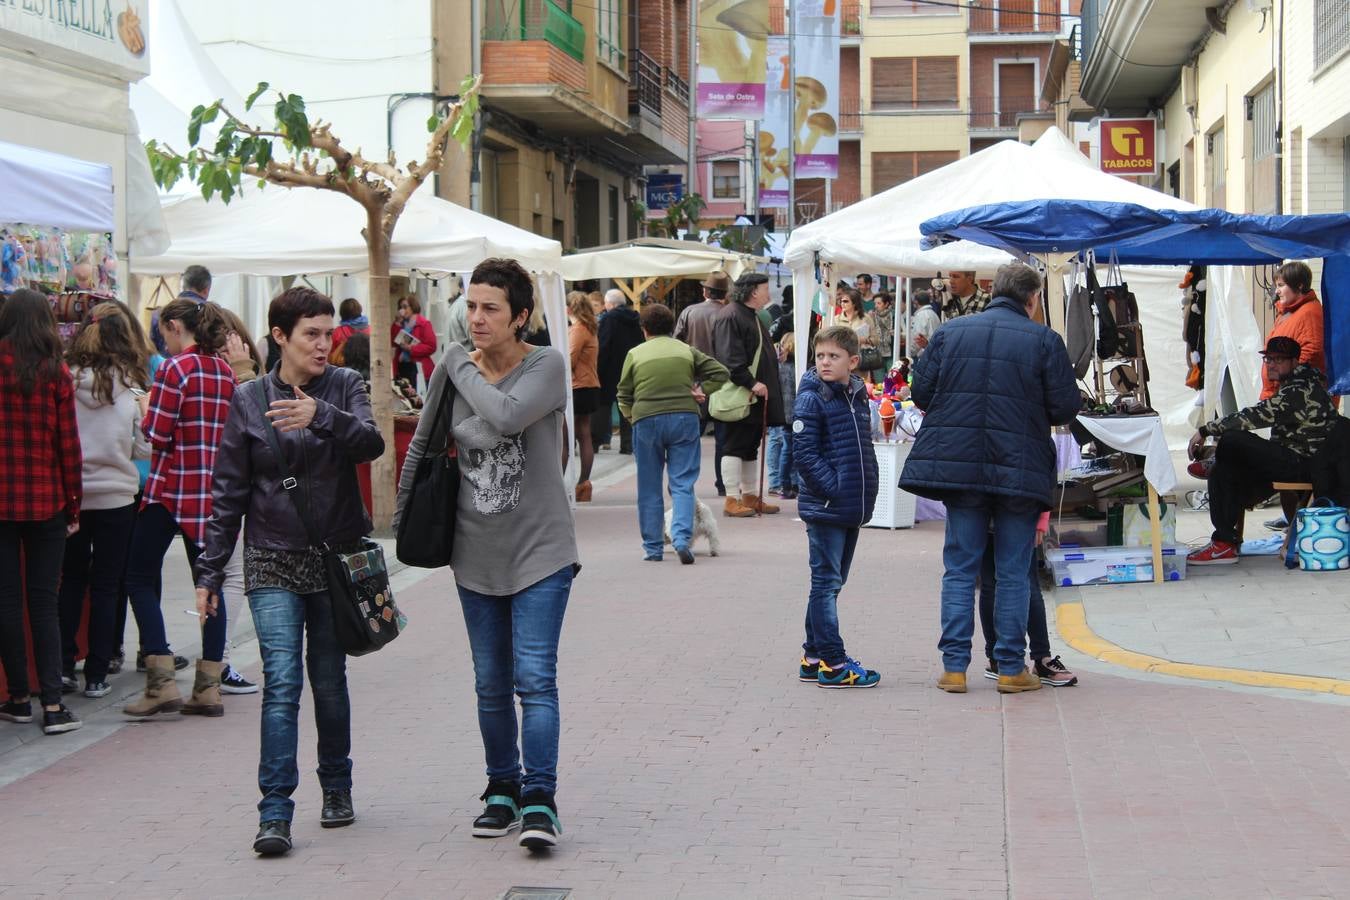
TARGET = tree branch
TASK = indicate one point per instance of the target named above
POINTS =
(408, 182)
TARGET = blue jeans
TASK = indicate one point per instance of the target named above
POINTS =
(150, 541)
(514, 641)
(666, 441)
(781, 476)
(969, 517)
(282, 619)
(1038, 635)
(831, 554)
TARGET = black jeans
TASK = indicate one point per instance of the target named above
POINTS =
(1244, 466)
(96, 556)
(719, 442)
(155, 530)
(1038, 634)
(43, 544)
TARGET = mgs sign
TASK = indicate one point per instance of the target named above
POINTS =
(1129, 146)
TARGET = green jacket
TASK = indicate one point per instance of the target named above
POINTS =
(659, 374)
(1300, 415)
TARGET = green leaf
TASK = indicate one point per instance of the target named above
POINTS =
(257, 92)
(262, 151)
(209, 114)
(194, 131)
(433, 123)
(225, 142)
(462, 130)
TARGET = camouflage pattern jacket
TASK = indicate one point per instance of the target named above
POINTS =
(978, 302)
(1300, 415)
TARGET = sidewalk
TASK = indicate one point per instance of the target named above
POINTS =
(695, 765)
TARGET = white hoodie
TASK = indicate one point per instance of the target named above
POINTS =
(110, 438)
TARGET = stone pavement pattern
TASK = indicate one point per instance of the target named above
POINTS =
(695, 765)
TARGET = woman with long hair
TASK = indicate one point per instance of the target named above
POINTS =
(515, 551)
(584, 347)
(40, 493)
(319, 417)
(188, 406)
(109, 365)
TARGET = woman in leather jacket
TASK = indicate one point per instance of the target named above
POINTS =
(324, 427)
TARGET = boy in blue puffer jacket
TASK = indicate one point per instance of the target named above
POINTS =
(837, 468)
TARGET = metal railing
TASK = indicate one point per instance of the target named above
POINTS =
(644, 84)
(677, 85)
(850, 22)
(850, 114)
(1332, 31)
(1076, 43)
(1000, 113)
(1005, 20)
(534, 20)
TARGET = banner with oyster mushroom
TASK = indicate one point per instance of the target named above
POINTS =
(732, 45)
(775, 128)
(815, 90)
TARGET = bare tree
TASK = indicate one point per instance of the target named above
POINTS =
(316, 158)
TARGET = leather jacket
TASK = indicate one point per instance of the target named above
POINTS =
(322, 457)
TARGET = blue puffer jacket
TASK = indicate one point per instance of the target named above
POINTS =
(991, 386)
(832, 451)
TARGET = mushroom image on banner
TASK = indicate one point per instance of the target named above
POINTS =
(732, 57)
(811, 95)
(818, 124)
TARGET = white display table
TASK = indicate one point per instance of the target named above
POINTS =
(895, 508)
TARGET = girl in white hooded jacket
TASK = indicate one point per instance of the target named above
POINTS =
(108, 360)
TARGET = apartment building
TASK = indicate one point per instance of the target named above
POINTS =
(1252, 99)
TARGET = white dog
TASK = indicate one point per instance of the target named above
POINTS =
(705, 525)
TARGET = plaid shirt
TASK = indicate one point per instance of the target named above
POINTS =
(40, 459)
(188, 407)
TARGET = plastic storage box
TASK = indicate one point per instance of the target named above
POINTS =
(1113, 565)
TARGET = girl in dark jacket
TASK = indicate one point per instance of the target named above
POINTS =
(324, 427)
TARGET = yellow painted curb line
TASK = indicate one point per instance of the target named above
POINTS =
(1071, 622)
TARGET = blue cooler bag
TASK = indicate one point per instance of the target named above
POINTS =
(1323, 539)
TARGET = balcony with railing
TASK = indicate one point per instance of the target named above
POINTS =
(534, 20)
(999, 114)
(850, 21)
(677, 85)
(1010, 20)
(850, 115)
(644, 86)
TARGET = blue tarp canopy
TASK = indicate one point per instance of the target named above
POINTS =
(1142, 236)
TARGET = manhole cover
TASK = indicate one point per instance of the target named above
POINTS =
(537, 893)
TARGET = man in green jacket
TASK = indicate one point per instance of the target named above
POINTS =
(660, 389)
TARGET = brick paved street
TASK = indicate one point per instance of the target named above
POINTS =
(695, 765)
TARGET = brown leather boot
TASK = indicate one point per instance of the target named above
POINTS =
(953, 682)
(736, 509)
(161, 691)
(755, 503)
(205, 699)
(584, 492)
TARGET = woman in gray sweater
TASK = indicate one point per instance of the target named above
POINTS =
(515, 550)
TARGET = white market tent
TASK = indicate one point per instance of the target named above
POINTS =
(635, 264)
(55, 191)
(881, 235)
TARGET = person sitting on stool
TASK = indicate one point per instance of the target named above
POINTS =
(1300, 417)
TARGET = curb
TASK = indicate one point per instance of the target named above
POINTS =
(1071, 623)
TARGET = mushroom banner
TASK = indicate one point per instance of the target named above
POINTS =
(815, 89)
(732, 48)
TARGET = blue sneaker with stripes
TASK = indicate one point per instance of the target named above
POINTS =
(848, 674)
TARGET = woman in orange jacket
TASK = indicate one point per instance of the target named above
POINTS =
(1298, 315)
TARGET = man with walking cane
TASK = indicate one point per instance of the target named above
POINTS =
(743, 346)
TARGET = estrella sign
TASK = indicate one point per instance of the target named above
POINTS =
(1128, 146)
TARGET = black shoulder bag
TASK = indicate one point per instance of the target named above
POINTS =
(365, 617)
(426, 529)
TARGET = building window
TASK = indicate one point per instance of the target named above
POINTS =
(609, 23)
(913, 8)
(1331, 33)
(1263, 122)
(726, 178)
(1217, 155)
(890, 169)
(915, 83)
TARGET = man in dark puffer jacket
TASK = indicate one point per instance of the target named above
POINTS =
(992, 385)
(832, 424)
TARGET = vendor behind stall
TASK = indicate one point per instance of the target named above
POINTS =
(1300, 417)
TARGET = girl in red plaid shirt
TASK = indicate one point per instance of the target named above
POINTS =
(188, 407)
(40, 488)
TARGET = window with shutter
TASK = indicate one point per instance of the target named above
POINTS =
(912, 8)
(915, 83)
(890, 169)
(726, 179)
(893, 83)
(937, 80)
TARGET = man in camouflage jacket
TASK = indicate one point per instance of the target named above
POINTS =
(1300, 417)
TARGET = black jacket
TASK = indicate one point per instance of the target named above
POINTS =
(322, 457)
(620, 331)
(991, 384)
(737, 331)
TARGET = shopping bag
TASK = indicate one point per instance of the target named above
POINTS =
(1323, 539)
(1136, 530)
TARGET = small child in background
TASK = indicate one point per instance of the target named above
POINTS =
(837, 469)
(782, 481)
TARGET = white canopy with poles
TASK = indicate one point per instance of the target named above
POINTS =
(634, 265)
(55, 191)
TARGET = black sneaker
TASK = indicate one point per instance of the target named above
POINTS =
(59, 721)
(115, 664)
(17, 712)
(234, 683)
(69, 684)
(337, 809)
(179, 663)
(274, 838)
(991, 671)
(501, 816)
(96, 689)
(686, 556)
(1055, 673)
(539, 825)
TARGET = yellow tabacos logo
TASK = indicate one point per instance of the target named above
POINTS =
(1128, 144)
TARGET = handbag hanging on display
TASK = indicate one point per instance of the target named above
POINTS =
(365, 616)
(426, 530)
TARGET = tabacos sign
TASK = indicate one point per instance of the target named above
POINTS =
(1128, 146)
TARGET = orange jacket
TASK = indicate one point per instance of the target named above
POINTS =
(1302, 321)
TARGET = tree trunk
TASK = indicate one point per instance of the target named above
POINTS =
(383, 471)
